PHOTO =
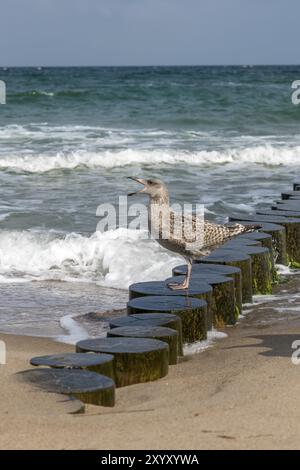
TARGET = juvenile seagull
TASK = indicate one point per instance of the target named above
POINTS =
(195, 238)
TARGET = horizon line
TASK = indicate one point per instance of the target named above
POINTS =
(245, 65)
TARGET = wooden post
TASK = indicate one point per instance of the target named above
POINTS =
(136, 360)
(238, 259)
(100, 363)
(154, 332)
(193, 313)
(217, 269)
(290, 195)
(278, 234)
(200, 291)
(151, 319)
(292, 227)
(223, 298)
(87, 386)
(261, 264)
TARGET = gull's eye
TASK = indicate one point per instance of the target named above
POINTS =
(150, 182)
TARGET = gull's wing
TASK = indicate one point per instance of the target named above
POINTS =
(187, 234)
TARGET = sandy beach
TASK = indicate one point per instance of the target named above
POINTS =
(240, 394)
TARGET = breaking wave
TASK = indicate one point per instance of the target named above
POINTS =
(116, 258)
(267, 155)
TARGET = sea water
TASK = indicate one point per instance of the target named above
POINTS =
(227, 137)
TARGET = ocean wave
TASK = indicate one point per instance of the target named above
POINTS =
(266, 155)
(31, 94)
(37, 93)
(116, 258)
(42, 93)
(35, 131)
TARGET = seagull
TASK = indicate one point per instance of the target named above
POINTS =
(195, 238)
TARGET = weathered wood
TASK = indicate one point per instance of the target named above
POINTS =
(287, 202)
(100, 363)
(151, 319)
(264, 238)
(199, 291)
(290, 207)
(193, 313)
(262, 269)
(236, 242)
(279, 213)
(161, 333)
(282, 212)
(238, 259)
(292, 232)
(223, 306)
(278, 234)
(292, 227)
(136, 360)
(87, 386)
(267, 242)
(290, 194)
(223, 270)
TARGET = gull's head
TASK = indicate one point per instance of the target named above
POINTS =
(155, 188)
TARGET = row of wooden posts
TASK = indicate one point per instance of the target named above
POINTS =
(141, 346)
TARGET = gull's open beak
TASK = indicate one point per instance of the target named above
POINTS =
(138, 180)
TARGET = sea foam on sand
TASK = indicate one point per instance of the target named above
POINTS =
(76, 332)
(200, 346)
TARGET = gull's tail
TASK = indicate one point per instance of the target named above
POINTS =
(239, 229)
(216, 235)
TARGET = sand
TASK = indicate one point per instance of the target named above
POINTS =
(243, 393)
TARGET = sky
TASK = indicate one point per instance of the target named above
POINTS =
(149, 32)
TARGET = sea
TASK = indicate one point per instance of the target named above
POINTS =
(226, 137)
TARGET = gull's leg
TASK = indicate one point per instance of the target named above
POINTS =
(189, 271)
(186, 282)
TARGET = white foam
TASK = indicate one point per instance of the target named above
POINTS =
(75, 331)
(4, 279)
(266, 155)
(200, 346)
(42, 93)
(244, 313)
(286, 270)
(262, 299)
(69, 147)
(286, 309)
(116, 258)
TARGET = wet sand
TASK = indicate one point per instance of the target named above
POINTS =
(243, 393)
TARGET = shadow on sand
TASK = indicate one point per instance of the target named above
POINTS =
(277, 345)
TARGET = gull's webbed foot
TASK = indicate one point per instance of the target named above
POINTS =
(183, 285)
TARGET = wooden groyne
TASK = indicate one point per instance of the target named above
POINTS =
(141, 346)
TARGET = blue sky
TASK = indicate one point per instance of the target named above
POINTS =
(149, 32)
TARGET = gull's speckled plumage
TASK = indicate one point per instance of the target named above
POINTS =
(195, 238)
